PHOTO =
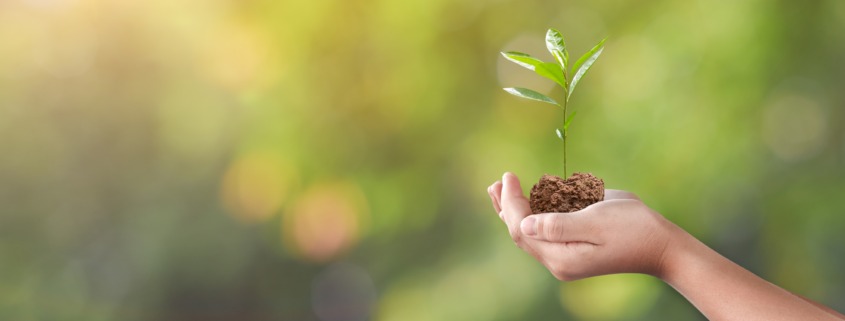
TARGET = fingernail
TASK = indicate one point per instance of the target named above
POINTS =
(528, 227)
(505, 175)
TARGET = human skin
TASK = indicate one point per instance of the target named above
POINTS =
(622, 235)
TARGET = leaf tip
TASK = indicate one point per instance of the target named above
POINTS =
(601, 43)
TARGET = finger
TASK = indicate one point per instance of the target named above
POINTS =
(494, 191)
(497, 194)
(560, 227)
(617, 194)
(514, 204)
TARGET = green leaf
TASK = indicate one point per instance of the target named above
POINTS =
(530, 94)
(566, 57)
(562, 59)
(557, 47)
(522, 59)
(546, 69)
(559, 134)
(583, 64)
(554, 41)
(552, 71)
(568, 120)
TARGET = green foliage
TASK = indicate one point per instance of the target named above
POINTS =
(522, 59)
(557, 47)
(569, 120)
(550, 70)
(583, 65)
(557, 72)
(530, 94)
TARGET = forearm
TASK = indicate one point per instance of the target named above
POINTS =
(723, 290)
(824, 307)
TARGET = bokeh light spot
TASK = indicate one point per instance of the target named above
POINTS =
(255, 185)
(609, 297)
(500, 284)
(794, 127)
(237, 58)
(327, 220)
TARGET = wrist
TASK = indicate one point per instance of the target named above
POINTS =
(680, 252)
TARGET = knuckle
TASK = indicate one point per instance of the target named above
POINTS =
(554, 228)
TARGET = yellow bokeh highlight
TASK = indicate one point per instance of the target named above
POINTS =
(325, 221)
(610, 297)
(239, 57)
(498, 283)
(255, 185)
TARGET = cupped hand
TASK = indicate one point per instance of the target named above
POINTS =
(617, 235)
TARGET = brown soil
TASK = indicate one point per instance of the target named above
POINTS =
(553, 194)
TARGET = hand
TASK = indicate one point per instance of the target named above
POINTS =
(622, 235)
(617, 235)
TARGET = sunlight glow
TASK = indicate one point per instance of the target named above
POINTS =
(325, 221)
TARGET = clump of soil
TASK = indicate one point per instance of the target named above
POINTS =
(553, 194)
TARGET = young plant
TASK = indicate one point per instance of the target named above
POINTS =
(558, 72)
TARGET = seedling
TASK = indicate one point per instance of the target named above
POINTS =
(558, 72)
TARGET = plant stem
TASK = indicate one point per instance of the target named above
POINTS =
(565, 132)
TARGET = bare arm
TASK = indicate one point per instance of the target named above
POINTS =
(723, 290)
(622, 235)
(824, 307)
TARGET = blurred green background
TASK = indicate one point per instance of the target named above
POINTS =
(328, 160)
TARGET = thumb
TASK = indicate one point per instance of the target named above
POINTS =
(512, 197)
(515, 206)
(558, 227)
